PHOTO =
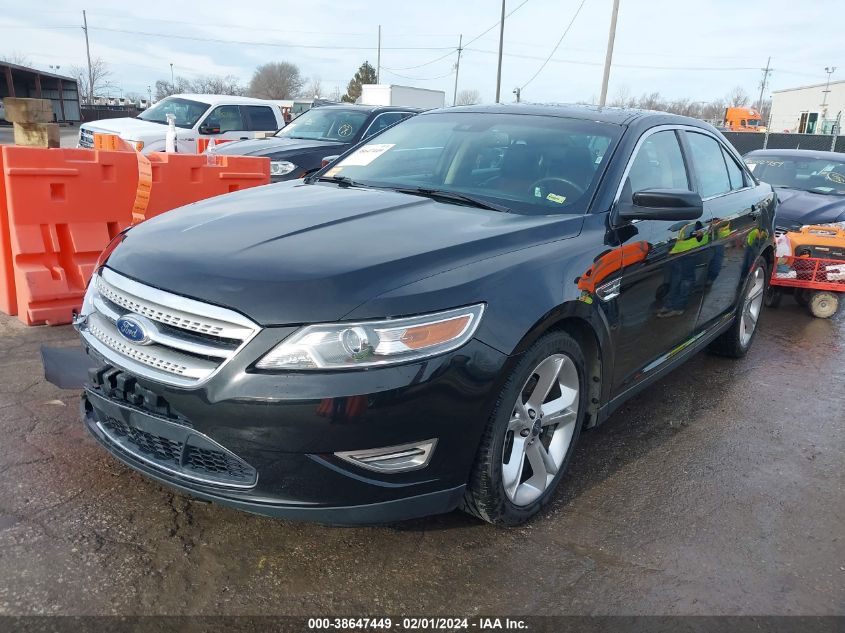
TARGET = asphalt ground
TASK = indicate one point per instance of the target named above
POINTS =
(718, 490)
(69, 135)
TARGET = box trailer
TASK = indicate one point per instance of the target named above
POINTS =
(390, 95)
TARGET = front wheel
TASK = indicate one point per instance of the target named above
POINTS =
(531, 434)
(736, 341)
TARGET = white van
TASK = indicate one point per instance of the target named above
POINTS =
(219, 117)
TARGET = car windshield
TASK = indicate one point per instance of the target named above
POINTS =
(325, 124)
(820, 175)
(186, 111)
(527, 164)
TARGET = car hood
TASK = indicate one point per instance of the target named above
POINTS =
(298, 253)
(128, 127)
(274, 146)
(800, 208)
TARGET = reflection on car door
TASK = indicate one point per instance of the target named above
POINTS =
(729, 206)
(660, 295)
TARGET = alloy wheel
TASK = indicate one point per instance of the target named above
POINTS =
(751, 306)
(540, 429)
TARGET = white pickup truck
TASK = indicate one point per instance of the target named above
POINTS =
(218, 117)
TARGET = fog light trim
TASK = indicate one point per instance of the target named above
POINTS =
(392, 459)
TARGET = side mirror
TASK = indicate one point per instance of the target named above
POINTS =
(209, 129)
(328, 159)
(662, 204)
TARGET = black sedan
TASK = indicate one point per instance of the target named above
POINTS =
(810, 185)
(431, 321)
(299, 148)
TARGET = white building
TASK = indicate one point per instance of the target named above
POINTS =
(806, 109)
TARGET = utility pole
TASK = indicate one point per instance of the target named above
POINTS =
(172, 80)
(517, 91)
(88, 52)
(457, 69)
(766, 71)
(501, 42)
(609, 57)
(378, 56)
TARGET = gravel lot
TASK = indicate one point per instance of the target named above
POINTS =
(717, 491)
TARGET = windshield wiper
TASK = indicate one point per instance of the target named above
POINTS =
(343, 181)
(453, 196)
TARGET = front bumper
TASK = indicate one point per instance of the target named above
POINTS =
(286, 429)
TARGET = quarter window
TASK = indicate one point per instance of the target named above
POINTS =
(709, 163)
(659, 164)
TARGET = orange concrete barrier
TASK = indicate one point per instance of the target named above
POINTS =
(63, 208)
(180, 179)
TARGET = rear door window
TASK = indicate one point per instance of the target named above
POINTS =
(735, 173)
(260, 118)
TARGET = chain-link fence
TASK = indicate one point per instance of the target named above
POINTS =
(745, 142)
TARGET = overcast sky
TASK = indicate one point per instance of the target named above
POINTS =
(684, 48)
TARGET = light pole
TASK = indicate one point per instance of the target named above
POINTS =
(829, 70)
(172, 81)
(517, 92)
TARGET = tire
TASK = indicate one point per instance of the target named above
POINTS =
(802, 297)
(735, 342)
(824, 304)
(773, 297)
(491, 493)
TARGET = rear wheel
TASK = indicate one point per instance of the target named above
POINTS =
(736, 342)
(531, 434)
(824, 304)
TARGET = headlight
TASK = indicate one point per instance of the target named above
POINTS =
(372, 343)
(281, 167)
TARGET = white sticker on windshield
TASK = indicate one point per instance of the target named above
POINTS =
(366, 154)
(751, 166)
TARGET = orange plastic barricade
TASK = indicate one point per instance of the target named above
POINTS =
(180, 179)
(8, 303)
(203, 143)
(64, 206)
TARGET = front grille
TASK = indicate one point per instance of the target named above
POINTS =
(167, 445)
(187, 341)
(86, 138)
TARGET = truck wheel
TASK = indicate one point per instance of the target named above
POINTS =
(531, 434)
(736, 341)
(772, 297)
(824, 304)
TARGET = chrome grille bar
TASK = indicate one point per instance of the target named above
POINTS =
(192, 343)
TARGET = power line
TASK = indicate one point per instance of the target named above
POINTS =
(453, 50)
(418, 78)
(554, 50)
(194, 38)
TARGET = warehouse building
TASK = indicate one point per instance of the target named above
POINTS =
(20, 81)
(814, 109)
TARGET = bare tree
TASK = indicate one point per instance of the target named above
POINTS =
(737, 97)
(313, 89)
(99, 77)
(18, 59)
(276, 80)
(209, 84)
(468, 97)
(622, 98)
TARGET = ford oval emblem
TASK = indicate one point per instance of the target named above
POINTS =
(133, 329)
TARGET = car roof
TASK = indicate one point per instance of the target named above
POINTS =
(798, 153)
(603, 114)
(222, 99)
(367, 108)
